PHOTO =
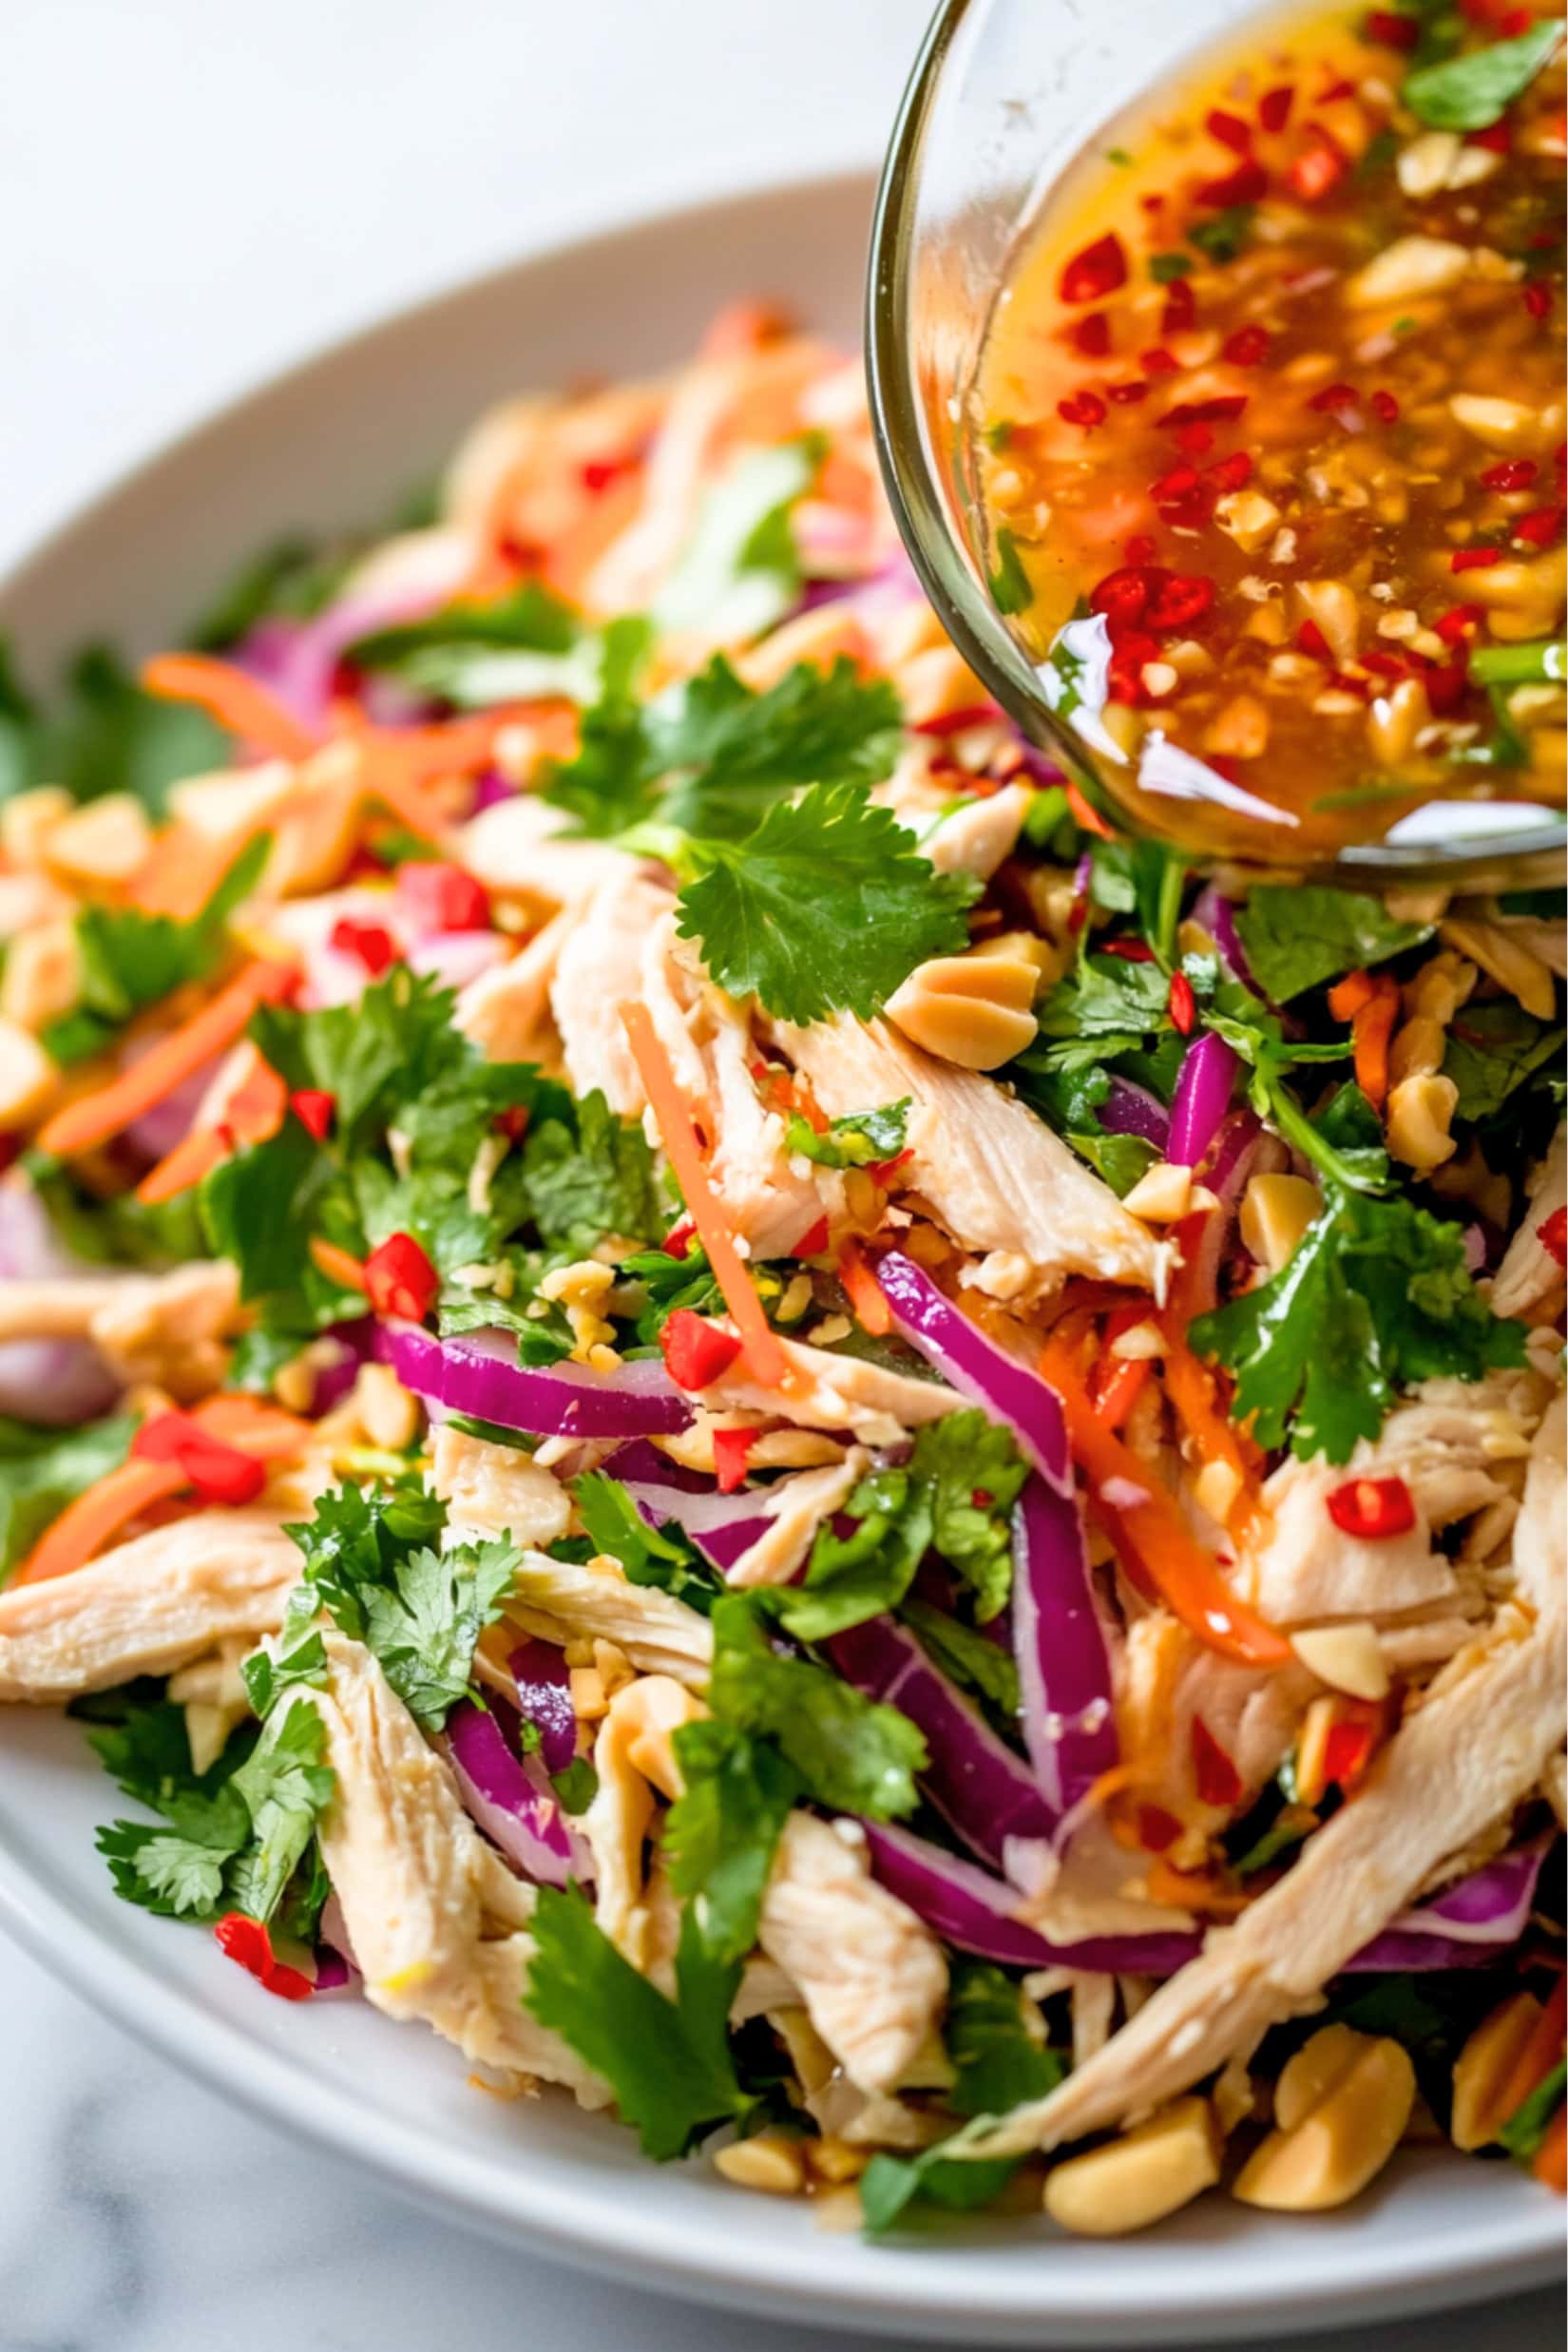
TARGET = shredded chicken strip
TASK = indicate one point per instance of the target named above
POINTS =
(505, 1011)
(600, 967)
(1530, 1280)
(795, 1508)
(498, 1488)
(658, 1634)
(838, 1392)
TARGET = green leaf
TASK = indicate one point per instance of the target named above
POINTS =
(1491, 1050)
(284, 1783)
(721, 1834)
(890, 2185)
(667, 2062)
(1472, 91)
(608, 785)
(739, 571)
(664, 1557)
(520, 647)
(105, 735)
(1295, 939)
(40, 1470)
(1223, 235)
(576, 1784)
(999, 2064)
(827, 906)
(590, 1178)
(174, 1876)
(966, 1656)
(1163, 267)
(742, 752)
(1011, 589)
(859, 1140)
(291, 579)
(852, 1754)
(374, 1055)
(1531, 2121)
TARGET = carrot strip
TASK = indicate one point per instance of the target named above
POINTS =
(96, 1117)
(1193, 1390)
(1540, 2054)
(183, 870)
(254, 1112)
(1147, 1528)
(1550, 2165)
(1114, 1396)
(1086, 817)
(192, 1159)
(1371, 1033)
(85, 1525)
(1348, 995)
(233, 699)
(765, 1359)
(265, 1430)
(866, 1294)
(337, 1265)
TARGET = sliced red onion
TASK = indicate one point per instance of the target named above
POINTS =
(1231, 1160)
(1475, 1249)
(972, 1778)
(297, 660)
(479, 1374)
(1214, 913)
(1130, 1110)
(526, 1823)
(545, 1698)
(977, 1367)
(491, 787)
(1202, 1098)
(55, 1382)
(724, 1527)
(333, 1973)
(1059, 1642)
(1469, 1923)
(970, 1909)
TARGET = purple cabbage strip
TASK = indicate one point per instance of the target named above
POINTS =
(545, 1698)
(1130, 1110)
(1469, 1923)
(1201, 1099)
(972, 1778)
(60, 1382)
(987, 1375)
(480, 1374)
(526, 1823)
(1059, 1642)
(1214, 913)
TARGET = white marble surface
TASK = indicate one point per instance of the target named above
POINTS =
(194, 192)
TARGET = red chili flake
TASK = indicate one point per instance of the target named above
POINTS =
(1180, 307)
(1333, 398)
(1319, 168)
(599, 472)
(813, 1242)
(1552, 1234)
(1497, 137)
(444, 896)
(1445, 683)
(1311, 640)
(1248, 347)
(1218, 1782)
(1346, 1753)
(1510, 474)
(1096, 272)
(1384, 405)
(1196, 440)
(1392, 31)
(1179, 600)
(1180, 483)
(678, 1241)
(1141, 548)
(1159, 361)
(1245, 185)
(1124, 671)
(1383, 664)
(1273, 108)
(732, 1451)
(1459, 621)
(313, 1108)
(218, 1473)
(1122, 596)
(1183, 1005)
(1538, 298)
(1157, 1828)
(1092, 335)
(400, 1280)
(1372, 1508)
(1083, 408)
(1233, 472)
(1219, 409)
(1134, 389)
(1539, 528)
(1473, 559)
(945, 723)
(247, 1941)
(1339, 87)
(697, 1352)
(368, 942)
(1152, 203)
(512, 1122)
(1516, 22)
(882, 1171)
(1229, 129)
(1128, 950)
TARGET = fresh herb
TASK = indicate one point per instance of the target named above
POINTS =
(721, 1833)
(292, 580)
(1069, 1100)
(521, 646)
(859, 1140)
(40, 1470)
(965, 1655)
(661, 1557)
(1010, 589)
(1520, 666)
(937, 2176)
(587, 1174)
(1163, 267)
(1491, 1051)
(997, 2062)
(1295, 939)
(1532, 2119)
(1473, 91)
(106, 735)
(1223, 235)
(740, 570)
(576, 1786)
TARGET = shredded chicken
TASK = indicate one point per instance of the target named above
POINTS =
(795, 1508)
(599, 970)
(1530, 1280)
(996, 1176)
(498, 1488)
(873, 1978)
(506, 1010)
(839, 1392)
(522, 849)
(146, 1607)
(658, 1634)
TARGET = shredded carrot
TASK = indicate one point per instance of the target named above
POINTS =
(864, 1292)
(265, 1430)
(765, 1358)
(1116, 1394)
(1088, 818)
(571, 558)
(254, 1112)
(1371, 1008)
(1192, 1890)
(96, 1117)
(1550, 2165)
(1542, 2051)
(1147, 1528)
(1193, 1392)
(337, 1265)
(1348, 995)
(233, 699)
(183, 870)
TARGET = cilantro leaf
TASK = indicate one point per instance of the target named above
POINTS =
(964, 1654)
(859, 1140)
(1296, 938)
(590, 1176)
(998, 2062)
(739, 571)
(828, 905)
(661, 1557)
(1375, 1297)
(393, 1045)
(608, 785)
(40, 1470)
(721, 1834)
(106, 735)
(1472, 91)
(174, 1876)
(284, 1783)
(1011, 589)
(747, 750)
(1491, 1051)
(957, 2184)
(1224, 232)
(517, 647)
(667, 2062)
(854, 1755)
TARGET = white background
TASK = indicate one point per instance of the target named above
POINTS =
(193, 193)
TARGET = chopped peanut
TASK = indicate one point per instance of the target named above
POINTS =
(1342, 2104)
(1140, 2178)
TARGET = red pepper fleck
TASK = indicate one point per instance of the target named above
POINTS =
(813, 1242)
(1128, 950)
(1096, 272)
(1539, 528)
(1473, 559)
(1152, 203)
(1516, 22)
(1179, 600)
(1311, 640)
(1510, 474)
(1083, 408)
(1218, 1782)
(1196, 440)
(697, 1352)
(1233, 472)
(1552, 1234)
(1392, 31)
(882, 1171)
(444, 896)
(1141, 548)
(1335, 398)
(1134, 389)
(1372, 1508)
(1229, 129)
(367, 943)
(400, 1280)
(678, 1241)
(313, 1108)
(1446, 682)
(1123, 596)
(247, 1941)
(1092, 335)
(218, 1473)
(732, 1452)
(1245, 185)
(512, 1122)
(1336, 87)
(1497, 137)
(599, 472)
(1177, 484)
(1273, 108)
(1384, 405)
(1157, 1828)
(1248, 347)
(1319, 168)
(1459, 621)
(1346, 1753)
(1159, 361)
(1124, 671)
(1219, 409)
(1183, 1005)
(1180, 307)
(1538, 298)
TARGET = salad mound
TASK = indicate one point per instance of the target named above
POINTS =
(699, 1389)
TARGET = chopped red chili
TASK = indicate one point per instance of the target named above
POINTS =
(696, 1353)
(1510, 474)
(1128, 950)
(1159, 361)
(315, 1109)
(400, 1280)
(1245, 185)
(1083, 408)
(1248, 347)
(1393, 30)
(1335, 396)
(1473, 559)
(1096, 272)
(1157, 1828)
(732, 1453)
(1179, 600)
(1384, 405)
(1219, 409)
(218, 1473)
(1134, 389)
(1540, 528)
(1459, 621)
(512, 1122)
(1183, 1006)
(1552, 1234)
(1497, 137)
(1273, 108)
(1311, 640)
(1092, 335)
(369, 944)
(444, 896)
(1319, 168)
(1372, 1508)
(1180, 307)
(247, 1941)
(1538, 298)
(813, 1241)
(1228, 128)
(1233, 472)
(1218, 1780)
(678, 1241)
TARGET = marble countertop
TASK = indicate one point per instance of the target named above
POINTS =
(202, 193)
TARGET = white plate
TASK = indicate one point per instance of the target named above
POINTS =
(333, 443)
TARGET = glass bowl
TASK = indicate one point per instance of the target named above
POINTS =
(1003, 96)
